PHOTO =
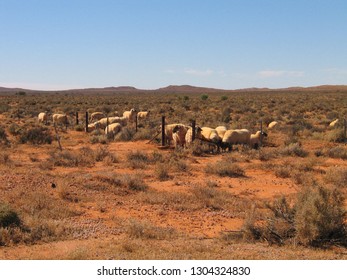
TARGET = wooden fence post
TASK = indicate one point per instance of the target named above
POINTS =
(261, 133)
(107, 125)
(345, 129)
(87, 122)
(136, 124)
(163, 130)
(193, 130)
(76, 118)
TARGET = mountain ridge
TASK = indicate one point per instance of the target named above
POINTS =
(172, 89)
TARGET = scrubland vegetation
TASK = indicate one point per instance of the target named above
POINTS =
(123, 197)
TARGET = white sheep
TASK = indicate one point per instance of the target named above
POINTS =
(272, 125)
(168, 131)
(210, 134)
(254, 141)
(333, 123)
(179, 135)
(102, 123)
(235, 136)
(221, 131)
(93, 126)
(96, 116)
(43, 117)
(60, 119)
(143, 115)
(189, 135)
(130, 115)
(112, 129)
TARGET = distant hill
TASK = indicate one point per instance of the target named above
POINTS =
(175, 89)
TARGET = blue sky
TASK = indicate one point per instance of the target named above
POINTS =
(230, 44)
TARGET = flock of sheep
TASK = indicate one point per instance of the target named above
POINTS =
(179, 134)
(221, 137)
(98, 120)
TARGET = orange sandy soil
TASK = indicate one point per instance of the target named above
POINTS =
(103, 215)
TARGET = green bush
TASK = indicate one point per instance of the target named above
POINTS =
(8, 217)
(36, 135)
(204, 97)
(225, 169)
(3, 136)
(319, 217)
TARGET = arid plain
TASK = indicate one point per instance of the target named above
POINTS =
(126, 197)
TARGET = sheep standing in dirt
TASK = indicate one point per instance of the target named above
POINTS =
(179, 135)
(43, 117)
(189, 135)
(254, 141)
(60, 119)
(102, 123)
(112, 129)
(168, 131)
(130, 115)
(96, 116)
(234, 137)
(272, 125)
(333, 123)
(210, 134)
(142, 115)
(221, 131)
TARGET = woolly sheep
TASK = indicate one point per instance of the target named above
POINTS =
(333, 123)
(221, 131)
(272, 125)
(210, 134)
(254, 141)
(189, 134)
(130, 115)
(179, 135)
(168, 131)
(143, 115)
(43, 117)
(112, 129)
(60, 119)
(235, 136)
(102, 123)
(96, 116)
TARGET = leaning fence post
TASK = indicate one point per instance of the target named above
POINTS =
(345, 129)
(261, 133)
(86, 121)
(163, 130)
(136, 124)
(193, 130)
(107, 128)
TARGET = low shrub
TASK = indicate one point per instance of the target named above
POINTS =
(138, 160)
(36, 135)
(316, 218)
(3, 136)
(225, 169)
(5, 158)
(83, 157)
(134, 182)
(319, 217)
(162, 171)
(337, 152)
(145, 230)
(336, 176)
(8, 217)
(294, 149)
